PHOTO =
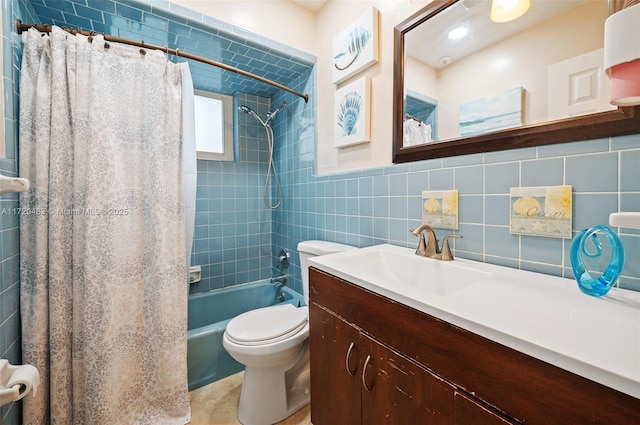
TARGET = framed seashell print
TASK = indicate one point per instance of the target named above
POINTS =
(352, 113)
(440, 209)
(356, 47)
(541, 211)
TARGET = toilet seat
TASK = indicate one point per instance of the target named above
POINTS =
(266, 325)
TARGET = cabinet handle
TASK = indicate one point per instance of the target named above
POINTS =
(347, 361)
(364, 372)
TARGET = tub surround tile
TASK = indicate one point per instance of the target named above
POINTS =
(176, 26)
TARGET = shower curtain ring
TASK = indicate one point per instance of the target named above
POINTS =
(177, 52)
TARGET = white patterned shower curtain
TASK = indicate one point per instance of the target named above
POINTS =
(103, 267)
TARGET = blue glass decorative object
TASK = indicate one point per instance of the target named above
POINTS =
(586, 243)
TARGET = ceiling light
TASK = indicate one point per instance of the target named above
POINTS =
(458, 33)
(508, 10)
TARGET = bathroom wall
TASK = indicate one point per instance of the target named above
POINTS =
(332, 18)
(381, 205)
(356, 196)
(10, 344)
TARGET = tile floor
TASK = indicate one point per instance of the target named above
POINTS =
(217, 404)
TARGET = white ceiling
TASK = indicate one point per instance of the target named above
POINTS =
(429, 42)
(311, 4)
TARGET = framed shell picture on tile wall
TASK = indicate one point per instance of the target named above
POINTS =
(352, 113)
(356, 47)
(541, 211)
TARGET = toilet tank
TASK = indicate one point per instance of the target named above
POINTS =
(308, 249)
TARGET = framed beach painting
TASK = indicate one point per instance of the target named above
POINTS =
(356, 47)
(352, 113)
(491, 113)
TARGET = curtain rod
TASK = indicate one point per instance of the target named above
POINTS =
(47, 28)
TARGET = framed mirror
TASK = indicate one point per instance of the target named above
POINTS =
(533, 81)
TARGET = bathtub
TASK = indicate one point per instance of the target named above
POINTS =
(209, 313)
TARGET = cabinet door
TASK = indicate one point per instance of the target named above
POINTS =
(397, 391)
(333, 348)
(470, 412)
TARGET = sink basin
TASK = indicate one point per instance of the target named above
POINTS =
(399, 269)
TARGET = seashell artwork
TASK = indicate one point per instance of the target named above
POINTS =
(352, 113)
(440, 209)
(349, 113)
(356, 42)
(356, 47)
(527, 206)
(541, 211)
(432, 206)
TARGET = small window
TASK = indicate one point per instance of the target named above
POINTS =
(214, 126)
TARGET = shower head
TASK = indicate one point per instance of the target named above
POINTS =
(245, 109)
(272, 115)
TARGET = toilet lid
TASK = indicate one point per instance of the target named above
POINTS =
(268, 324)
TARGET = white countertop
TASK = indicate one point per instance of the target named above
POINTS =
(544, 316)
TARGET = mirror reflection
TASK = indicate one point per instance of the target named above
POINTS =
(465, 75)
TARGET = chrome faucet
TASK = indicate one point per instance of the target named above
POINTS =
(430, 248)
(281, 281)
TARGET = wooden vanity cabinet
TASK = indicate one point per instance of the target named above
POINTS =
(470, 412)
(420, 369)
(355, 379)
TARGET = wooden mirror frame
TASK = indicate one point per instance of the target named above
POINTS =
(598, 125)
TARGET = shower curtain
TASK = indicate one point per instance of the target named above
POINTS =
(103, 296)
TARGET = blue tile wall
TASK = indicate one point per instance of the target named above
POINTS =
(232, 236)
(603, 172)
(10, 342)
(168, 24)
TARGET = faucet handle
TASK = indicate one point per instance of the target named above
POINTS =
(422, 246)
(446, 254)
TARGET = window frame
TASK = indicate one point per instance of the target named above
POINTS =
(227, 122)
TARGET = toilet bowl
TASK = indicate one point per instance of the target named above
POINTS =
(272, 343)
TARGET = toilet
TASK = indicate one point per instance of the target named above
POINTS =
(272, 343)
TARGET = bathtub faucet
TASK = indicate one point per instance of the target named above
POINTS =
(281, 280)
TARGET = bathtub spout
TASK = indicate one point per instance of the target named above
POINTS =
(282, 280)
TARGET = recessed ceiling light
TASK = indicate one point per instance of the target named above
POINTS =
(458, 33)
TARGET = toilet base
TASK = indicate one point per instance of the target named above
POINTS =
(272, 394)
